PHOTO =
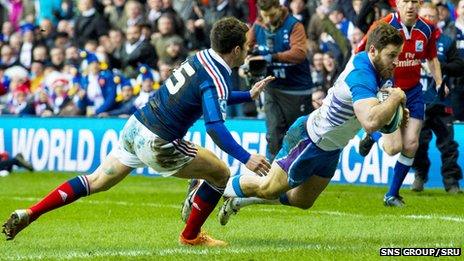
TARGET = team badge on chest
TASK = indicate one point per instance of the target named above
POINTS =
(419, 46)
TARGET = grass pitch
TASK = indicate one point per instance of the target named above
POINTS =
(140, 219)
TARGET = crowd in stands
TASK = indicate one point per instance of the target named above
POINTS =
(107, 57)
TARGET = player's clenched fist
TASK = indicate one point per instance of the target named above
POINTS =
(258, 164)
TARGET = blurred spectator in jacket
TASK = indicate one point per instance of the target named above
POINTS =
(135, 51)
(125, 107)
(166, 33)
(89, 24)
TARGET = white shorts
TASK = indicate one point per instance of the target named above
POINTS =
(139, 147)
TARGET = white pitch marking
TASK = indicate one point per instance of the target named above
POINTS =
(458, 219)
(181, 251)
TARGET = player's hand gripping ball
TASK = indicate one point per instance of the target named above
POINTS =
(395, 121)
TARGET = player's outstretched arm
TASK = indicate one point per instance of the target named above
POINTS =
(373, 115)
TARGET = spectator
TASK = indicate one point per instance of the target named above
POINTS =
(125, 107)
(61, 40)
(28, 39)
(65, 26)
(330, 70)
(114, 11)
(7, 31)
(177, 20)
(135, 51)
(89, 24)
(147, 80)
(155, 10)
(40, 53)
(281, 41)
(20, 105)
(317, 69)
(57, 58)
(166, 33)
(97, 93)
(42, 104)
(37, 76)
(315, 28)
(8, 56)
(61, 102)
(16, 42)
(116, 39)
(175, 51)
(299, 11)
(196, 32)
(72, 55)
(317, 97)
(134, 13)
(47, 32)
(165, 71)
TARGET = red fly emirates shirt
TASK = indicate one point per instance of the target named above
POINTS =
(419, 44)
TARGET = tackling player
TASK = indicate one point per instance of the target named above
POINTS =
(419, 44)
(310, 152)
(153, 136)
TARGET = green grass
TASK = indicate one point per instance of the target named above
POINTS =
(139, 219)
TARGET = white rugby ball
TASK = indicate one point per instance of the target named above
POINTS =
(396, 119)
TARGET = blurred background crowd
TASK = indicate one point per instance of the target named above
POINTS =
(107, 57)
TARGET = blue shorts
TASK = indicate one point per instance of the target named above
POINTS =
(415, 102)
(301, 158)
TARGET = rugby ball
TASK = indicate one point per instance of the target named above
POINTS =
(396, 119)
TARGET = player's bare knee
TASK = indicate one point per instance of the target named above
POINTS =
(219, 175)
(410, 148)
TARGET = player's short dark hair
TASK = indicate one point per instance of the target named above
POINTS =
(228, 33)
(382, 35)
(265, 5)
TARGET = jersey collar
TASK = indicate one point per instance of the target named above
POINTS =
(407, 33)
(219, 60)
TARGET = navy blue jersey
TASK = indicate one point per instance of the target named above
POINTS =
(200, 86)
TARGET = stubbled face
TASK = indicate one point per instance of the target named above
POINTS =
(408, 10)
(386, 60)
(271, 17)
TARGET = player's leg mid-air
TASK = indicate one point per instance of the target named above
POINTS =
(166, 158)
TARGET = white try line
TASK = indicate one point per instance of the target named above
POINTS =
(182, 251)
(282, 210)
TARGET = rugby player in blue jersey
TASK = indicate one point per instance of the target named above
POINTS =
(153, 136)
(311, 148)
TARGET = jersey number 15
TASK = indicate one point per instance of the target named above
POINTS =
(185, 70)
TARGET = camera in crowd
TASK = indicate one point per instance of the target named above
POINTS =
(255, 68)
